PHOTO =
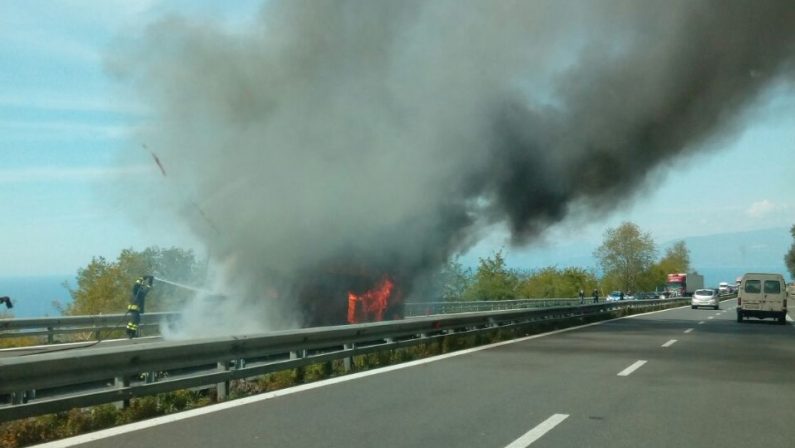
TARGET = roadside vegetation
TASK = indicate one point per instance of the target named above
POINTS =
(104, 285)
(627, 258)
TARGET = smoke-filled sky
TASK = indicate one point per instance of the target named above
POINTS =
(298, 134)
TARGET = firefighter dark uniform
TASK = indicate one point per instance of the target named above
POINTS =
(136, 306)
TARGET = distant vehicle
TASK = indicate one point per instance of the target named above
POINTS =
(723, 288)
(662, 292)
(614, 296)
(761, 296)
(648, 295)
(684, 284)
(705, 297)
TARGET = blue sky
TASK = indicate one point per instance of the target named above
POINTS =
(63, 126)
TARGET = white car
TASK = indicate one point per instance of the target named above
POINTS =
(705, 297)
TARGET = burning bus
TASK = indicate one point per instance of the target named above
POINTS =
(349, 296)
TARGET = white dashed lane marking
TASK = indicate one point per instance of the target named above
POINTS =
(537, 432)
(635, 366)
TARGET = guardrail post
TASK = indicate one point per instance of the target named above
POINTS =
(299, 371)
(18, 397)
(50, 335)
(347, 362)
(222, 388)
(297, 354)
(121, 382)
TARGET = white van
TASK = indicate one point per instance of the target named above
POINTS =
(762, 295)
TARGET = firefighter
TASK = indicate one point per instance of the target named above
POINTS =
(136, 307)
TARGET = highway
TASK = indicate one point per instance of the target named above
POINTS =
(680, 377)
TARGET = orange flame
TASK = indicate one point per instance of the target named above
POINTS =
(371, 305)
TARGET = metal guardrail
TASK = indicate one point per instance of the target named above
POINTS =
(100, 325)
(215, 362)
(97, 325)
(431, 308)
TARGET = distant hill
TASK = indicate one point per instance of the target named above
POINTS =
(725, 256)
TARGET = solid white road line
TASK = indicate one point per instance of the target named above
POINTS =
(635, 366)
(688, 330)
(536, 433)
(711, 317)
(669, 343)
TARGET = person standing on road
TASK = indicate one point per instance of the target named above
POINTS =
(137, 303)
(595, 296)
(582, 296)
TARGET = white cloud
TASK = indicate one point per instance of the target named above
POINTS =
(52, 101)
(763, 208)
(70, 174)
(49, 128)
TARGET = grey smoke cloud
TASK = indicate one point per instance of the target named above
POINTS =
(384, 135)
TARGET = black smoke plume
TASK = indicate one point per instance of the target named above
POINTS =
(351, 139)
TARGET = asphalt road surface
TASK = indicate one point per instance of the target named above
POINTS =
(676, 378)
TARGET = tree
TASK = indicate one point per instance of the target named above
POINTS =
(453, 280)
(552, 282)
(789, 257)
(105, 286)
(676, 259)
(625, 254)
(493, 280)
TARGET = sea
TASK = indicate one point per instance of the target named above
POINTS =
(36, 296)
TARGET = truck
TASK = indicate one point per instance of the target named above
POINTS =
(762, 295)
(684, 284)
